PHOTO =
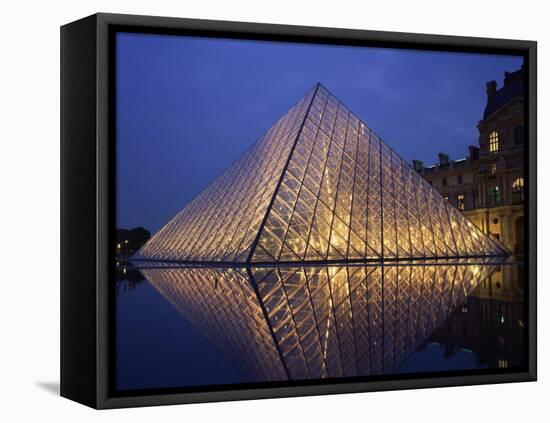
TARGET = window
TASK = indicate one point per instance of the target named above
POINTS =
(493, 142)
(518, 135)
(459, 179)
(493, 168)
(460, 200)
(494, 196)
(444, 182)
(517, 190)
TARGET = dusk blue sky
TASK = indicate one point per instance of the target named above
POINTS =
(188, 106)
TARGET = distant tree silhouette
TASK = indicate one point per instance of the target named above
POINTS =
(128, 241)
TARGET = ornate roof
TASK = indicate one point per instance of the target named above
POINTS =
(513, 87)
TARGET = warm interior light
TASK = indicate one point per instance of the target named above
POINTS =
(493, 142)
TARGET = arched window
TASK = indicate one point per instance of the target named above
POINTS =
(493, 142)
(518, 135)
(517, 190)
(494, 196)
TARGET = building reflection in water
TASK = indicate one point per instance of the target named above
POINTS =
(490, 323)
(292, 323)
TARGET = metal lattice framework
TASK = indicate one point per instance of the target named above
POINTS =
(319, 186)
(288, 323)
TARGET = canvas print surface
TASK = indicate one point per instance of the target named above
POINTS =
(289, 213)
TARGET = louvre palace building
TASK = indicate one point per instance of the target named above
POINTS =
(488, 185)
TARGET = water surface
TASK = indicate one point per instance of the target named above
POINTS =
(192, 327)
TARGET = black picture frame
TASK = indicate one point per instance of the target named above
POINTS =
(88, 201)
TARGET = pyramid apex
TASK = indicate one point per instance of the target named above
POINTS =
(317, 87)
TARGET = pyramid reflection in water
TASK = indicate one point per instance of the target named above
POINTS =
(289, 323)
(318, 186)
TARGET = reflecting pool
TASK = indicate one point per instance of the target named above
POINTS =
(197, 326)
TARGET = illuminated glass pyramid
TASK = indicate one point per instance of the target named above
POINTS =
(318, 186)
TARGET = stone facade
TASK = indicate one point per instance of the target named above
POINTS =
(488, 185)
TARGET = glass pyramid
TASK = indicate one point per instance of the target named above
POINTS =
(318, 186)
